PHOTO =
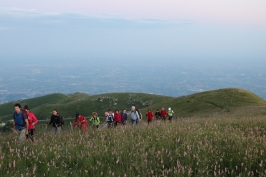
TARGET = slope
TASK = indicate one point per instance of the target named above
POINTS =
(217, 102)
(68, 105)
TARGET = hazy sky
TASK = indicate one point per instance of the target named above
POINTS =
(175, 29)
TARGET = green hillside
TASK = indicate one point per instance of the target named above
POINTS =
(68, 105)
(217, 102)
(7, 108)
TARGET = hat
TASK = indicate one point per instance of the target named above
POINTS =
(169, 109)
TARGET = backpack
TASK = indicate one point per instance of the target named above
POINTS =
(22, 117)
(62, 121)
(95, 120)
(170, 112)
(110, 118)
(140, 116)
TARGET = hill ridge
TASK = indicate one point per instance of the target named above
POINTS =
(221, 101)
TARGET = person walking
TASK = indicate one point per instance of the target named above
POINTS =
(20, 123)
(117, 116)
(76, 123)
(170, 114)
(124, 117)
(32, 122)
(81, 122)
(109, 119)
(95, 120)
(163, 114)
(56, 122)
(158, 114)
(134, 116)
(149, 116)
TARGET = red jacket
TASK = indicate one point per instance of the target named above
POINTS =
(118, 118)
(163, 113)
(82, 122)
(82, 119)
(32, 119)
(149, 115)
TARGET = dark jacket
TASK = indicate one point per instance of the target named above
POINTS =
(55, 120)
(158, 114)
(124, 116)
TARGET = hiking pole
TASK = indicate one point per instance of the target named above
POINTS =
(71, 126)
(46, 127)
(14, 130)
(103, 125)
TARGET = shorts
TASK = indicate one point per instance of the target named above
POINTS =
(22, 135)
(94, 125)
(170, 117)
(31, 132)
(110, 124)
(124, 122)
(134, 122)
(56, 130)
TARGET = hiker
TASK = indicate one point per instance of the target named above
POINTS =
(95, 120)
(158, 114)
(32, 122)
(80, 122)
(163, 114)
(117, 117)
(170, 114)
(109, 119)
(110, 112)
(56, 121)
(20, 123)
(149, 116)
(76, 123)
(134, 116)
(124, 117)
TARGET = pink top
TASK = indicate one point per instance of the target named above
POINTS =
(32, 119)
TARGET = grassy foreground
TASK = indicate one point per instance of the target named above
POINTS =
(190, 147)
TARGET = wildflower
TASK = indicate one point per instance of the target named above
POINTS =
(185, 154)
(34, 169)
(261, 163)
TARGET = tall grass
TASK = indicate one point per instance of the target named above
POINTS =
(191, 147)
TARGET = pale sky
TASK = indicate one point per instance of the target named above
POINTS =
(135, 28)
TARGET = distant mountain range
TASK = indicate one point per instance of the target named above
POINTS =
(226, 102)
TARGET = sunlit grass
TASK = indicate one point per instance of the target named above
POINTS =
(189, 147)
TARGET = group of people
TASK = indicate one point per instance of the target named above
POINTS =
(135, 115)
(25, 121)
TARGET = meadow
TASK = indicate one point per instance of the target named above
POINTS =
(216, 146)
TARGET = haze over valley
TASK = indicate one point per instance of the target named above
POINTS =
(164, 77)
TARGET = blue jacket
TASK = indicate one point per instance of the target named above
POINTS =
(19, 119)
(124, 116)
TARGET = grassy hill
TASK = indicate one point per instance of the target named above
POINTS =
(217, 102)
(85, 104)
(186, 147)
